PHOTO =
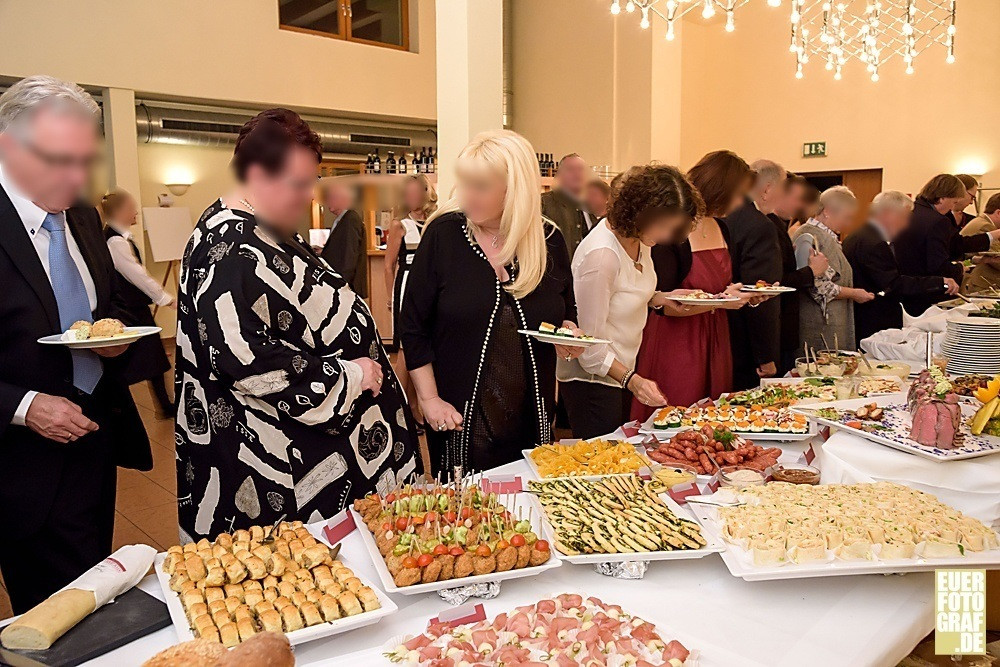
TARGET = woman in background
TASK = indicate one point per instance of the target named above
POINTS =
(810, 207)
(487, 265)
(826, 310)
(685, 349)
(615, 283)
(958, 212)
(417, 202)
(597, 195)
(145, 359)
(287, 403)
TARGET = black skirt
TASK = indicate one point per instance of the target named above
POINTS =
(145, 359)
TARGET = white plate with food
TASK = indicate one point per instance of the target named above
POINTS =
(321, 628)
(568, 340)
(587, 459)
(702, 298)
(516, 504)
(616, 536)
(765, 288)
(893, 423)
(766, 424)
(851, 539)
(77, 340)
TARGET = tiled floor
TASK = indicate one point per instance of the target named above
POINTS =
(147, 501)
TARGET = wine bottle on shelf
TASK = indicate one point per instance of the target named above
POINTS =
(390, 163)
(431, 161)
(418, 162)
(376, 163)
(401, 166)
(368, 163)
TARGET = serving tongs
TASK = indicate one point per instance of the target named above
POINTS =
(865, 359)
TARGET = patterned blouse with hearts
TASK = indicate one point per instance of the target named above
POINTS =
(271, 417)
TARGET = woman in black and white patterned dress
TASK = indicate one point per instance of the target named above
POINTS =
(287, 403)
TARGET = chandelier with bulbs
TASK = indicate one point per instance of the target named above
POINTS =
(870, 31)
(834, 31)
(672, 10)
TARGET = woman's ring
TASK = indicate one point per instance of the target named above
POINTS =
(378, 380)
(569, 357)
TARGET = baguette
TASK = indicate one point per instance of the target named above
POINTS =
(42, 625)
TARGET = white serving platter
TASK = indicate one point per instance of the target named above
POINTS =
(183, 628)
(568, 341)
(526, 453)
(714, 545)
(741, 565)
(897, 435)
(667, 433)
(390, 586)
(131, 335)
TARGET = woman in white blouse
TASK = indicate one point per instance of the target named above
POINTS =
(145, 359)
(615, 283)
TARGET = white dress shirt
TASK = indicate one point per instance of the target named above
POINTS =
(612, 298)
(130, 267)
(33, 216)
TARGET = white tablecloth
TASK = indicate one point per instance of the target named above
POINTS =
(863, 620)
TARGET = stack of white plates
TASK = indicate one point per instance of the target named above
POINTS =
(972, 345)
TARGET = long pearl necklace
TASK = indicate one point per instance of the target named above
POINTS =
(243, 200)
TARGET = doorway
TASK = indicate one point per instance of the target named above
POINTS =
(864, 183)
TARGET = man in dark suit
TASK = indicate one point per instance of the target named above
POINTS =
(66, 419)
(787, 205)
(931, 245)
(755, 332)
(564, 203)
(869, 250)
(347, 249)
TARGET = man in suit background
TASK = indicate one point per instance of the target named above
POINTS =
(755, 332)
(869, 250)
(787, 206)
(564, 204)
(347, 249)
(66, 419)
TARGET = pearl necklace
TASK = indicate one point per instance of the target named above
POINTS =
(250, 208)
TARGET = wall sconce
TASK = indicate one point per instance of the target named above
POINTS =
(177, 189)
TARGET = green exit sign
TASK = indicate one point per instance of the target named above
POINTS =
(814, 149)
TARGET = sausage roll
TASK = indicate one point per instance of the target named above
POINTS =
(291, 620)
(229, 635)
(310, 614)
(329, 607)
(349, 603)
(270, 621)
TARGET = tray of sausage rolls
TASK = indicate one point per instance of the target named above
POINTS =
(286, 580)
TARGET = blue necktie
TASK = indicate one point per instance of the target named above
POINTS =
(72, 299)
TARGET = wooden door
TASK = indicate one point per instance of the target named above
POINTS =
(864, 183)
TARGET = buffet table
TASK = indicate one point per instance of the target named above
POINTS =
(871, 620)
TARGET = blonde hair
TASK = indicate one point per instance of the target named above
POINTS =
(111, 202)
(509, 155)
(430, 197)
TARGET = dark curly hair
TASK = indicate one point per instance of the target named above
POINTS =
(645, 193)
(266, 139)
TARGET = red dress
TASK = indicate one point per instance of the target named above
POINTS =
(689, 357)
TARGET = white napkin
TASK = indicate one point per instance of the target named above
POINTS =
(116, 574)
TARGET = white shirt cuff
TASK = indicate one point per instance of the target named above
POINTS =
(354, 376)
(165, 299)
(22, 409)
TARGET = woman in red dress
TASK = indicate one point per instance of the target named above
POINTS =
(685, 349)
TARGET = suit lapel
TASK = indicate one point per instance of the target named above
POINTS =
(15, 241)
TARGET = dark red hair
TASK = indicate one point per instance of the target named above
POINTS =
(267, 138)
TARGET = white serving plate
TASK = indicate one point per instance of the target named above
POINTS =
(568, 341)
(714, 545)
(526, 453)
(667, 433)
(701, 302)
(777, 289)
(740, 565)
(390, 586)
(184, 632)
(131, 335)
(899, 422)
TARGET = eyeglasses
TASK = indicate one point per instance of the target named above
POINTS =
(61, 161)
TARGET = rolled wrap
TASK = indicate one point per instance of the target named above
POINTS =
(42, 625)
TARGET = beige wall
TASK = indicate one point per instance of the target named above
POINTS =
(740, 92)
(229, 50)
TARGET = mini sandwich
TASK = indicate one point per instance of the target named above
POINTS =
(545, 327)
(79, 331)
(564, 331)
